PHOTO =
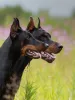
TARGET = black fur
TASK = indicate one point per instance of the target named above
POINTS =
(12, 63)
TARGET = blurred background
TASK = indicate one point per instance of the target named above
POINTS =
(43, 81)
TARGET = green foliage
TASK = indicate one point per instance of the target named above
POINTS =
(30, 91)
(11, 12)
(1, 42)
(73, 13)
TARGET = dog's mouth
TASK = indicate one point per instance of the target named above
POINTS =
(33, 54)
(49, 57)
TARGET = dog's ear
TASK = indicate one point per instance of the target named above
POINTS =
(39, 23)
(15, 27)
(31, 25)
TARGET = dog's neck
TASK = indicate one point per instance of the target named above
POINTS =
(13, 82)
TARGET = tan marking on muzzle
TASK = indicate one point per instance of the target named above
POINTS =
(52, 48)
(32, 47)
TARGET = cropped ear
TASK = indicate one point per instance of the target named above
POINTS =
(15, 27)
(39, 23)
(31, 25)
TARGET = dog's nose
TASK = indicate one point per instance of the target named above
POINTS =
(46, 45)
(60, 46)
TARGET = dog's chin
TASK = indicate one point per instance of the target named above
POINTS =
(43, 55)
(49, 57)
(58, 51)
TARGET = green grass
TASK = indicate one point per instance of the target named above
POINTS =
(1, 41)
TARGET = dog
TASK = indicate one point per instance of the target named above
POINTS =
(22, 52)
(40, 34)
(12, 60)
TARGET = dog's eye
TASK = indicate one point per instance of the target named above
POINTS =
(49, 36)
(42, 37)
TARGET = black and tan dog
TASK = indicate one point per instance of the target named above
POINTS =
(18, 50)
(40, 34)
(12, 61)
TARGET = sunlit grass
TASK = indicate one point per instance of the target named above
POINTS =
(1, 42)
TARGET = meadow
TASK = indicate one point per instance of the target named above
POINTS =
(50, 81)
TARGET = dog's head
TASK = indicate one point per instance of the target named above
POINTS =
(22, 39)
(40, 34)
